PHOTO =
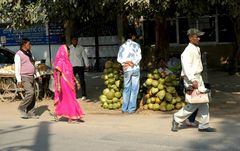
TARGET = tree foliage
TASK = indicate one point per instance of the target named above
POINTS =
(22, 13)
(232, 7)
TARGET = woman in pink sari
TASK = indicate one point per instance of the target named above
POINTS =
(65, 101)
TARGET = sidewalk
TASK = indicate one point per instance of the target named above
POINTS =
(220, 82)
(225, 91)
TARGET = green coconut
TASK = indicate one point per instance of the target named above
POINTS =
(118, 95)
(103, 98)
(156, 107)
(108, 64)
(160, 86)
(168, 97)
(155, 83)
(161, 94)
(149, 82)
(110, 95)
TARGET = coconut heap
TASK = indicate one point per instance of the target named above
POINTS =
(111, 97)
(161, 92)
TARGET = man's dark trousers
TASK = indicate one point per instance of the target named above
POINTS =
(80, 71)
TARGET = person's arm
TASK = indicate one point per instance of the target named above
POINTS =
(85, 57)
(187, 67)
(138, 56)
(17, 62)
(77, 83)
(58, 81)
(122, 59)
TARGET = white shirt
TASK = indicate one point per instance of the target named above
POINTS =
(191, 62)
(17, 63)
(130, 51)
(78, 56)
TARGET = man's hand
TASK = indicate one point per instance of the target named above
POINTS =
(19, 85)
(78, 85)
(127, 64)
(194, 84)
(130, 63)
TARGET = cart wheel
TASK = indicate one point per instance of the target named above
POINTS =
(9, 90)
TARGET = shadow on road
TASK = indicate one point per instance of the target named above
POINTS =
(41, 140)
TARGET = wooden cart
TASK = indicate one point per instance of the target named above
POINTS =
(9, 90)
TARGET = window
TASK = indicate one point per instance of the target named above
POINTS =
(172, 31)
(207, 25)
(216, 28)
(149, 32)
(184, 25)
(225, 29)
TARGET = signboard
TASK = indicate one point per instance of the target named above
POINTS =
(38, 35)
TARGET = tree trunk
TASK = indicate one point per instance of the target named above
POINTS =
(161, 45)
(122, 25)
(96, 46)
(68, 26)
(236, 50)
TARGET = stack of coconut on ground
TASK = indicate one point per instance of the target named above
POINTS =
(161, 92)
(111, 97)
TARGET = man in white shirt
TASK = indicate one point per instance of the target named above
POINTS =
(191, 72)
(79, 60)
(129, 56)
(24, 72)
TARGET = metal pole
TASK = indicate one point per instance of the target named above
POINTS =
(49, 46)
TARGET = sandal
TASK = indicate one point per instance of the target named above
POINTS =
(73, 121)
(55, 118)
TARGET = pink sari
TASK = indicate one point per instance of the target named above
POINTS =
(65, 101)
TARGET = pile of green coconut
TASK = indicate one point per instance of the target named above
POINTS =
(161, 94)
(111, 97)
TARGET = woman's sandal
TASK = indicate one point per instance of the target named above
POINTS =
(73, 121)
(55, 118)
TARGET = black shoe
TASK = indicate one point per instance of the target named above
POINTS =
(32, 116)
(174, 126)
(209, 129)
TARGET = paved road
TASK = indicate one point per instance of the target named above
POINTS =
(105, 130)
